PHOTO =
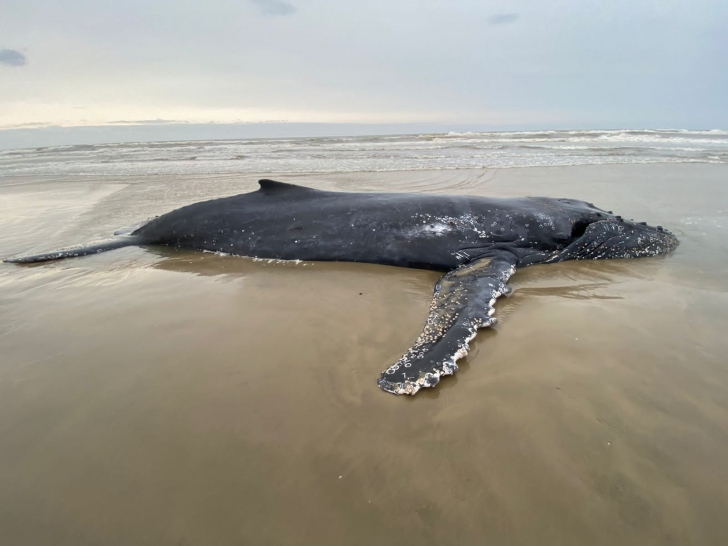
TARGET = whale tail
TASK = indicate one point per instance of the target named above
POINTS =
(95, 248)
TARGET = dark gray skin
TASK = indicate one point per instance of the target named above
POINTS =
(479, 241)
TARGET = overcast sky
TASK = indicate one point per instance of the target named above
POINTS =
(560, 63)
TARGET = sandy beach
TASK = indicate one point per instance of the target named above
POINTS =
(158, 397)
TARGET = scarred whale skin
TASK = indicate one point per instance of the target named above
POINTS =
(479, 241)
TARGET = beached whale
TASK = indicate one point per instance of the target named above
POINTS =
(478, 241)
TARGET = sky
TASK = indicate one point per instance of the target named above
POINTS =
(192, 65)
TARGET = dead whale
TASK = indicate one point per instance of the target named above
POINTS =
(478, 241)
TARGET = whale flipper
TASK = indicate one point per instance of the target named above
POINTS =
(463, 302)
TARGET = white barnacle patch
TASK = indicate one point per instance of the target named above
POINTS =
(440, 225)
(544, 220)
(437, 228)
(428, 226)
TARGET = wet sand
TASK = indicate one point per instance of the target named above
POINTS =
(149, 396)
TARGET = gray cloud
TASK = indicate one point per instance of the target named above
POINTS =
(10, 57)
(275, 7)
(503, 18)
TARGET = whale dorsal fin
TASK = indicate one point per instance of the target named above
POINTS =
(271, 186)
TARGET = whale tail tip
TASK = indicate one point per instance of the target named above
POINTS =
(103, 246)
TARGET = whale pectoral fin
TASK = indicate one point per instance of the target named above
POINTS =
(463, 302)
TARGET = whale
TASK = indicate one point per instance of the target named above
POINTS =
(477, 242)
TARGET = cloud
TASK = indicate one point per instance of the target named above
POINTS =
(147, 122)
(10, 57)
(275, 7)
(504, 18)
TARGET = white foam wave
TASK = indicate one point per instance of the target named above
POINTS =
(452, 150)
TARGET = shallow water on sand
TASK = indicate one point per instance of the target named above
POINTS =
(149, 396)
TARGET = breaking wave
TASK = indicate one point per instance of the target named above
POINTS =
(452, 150)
